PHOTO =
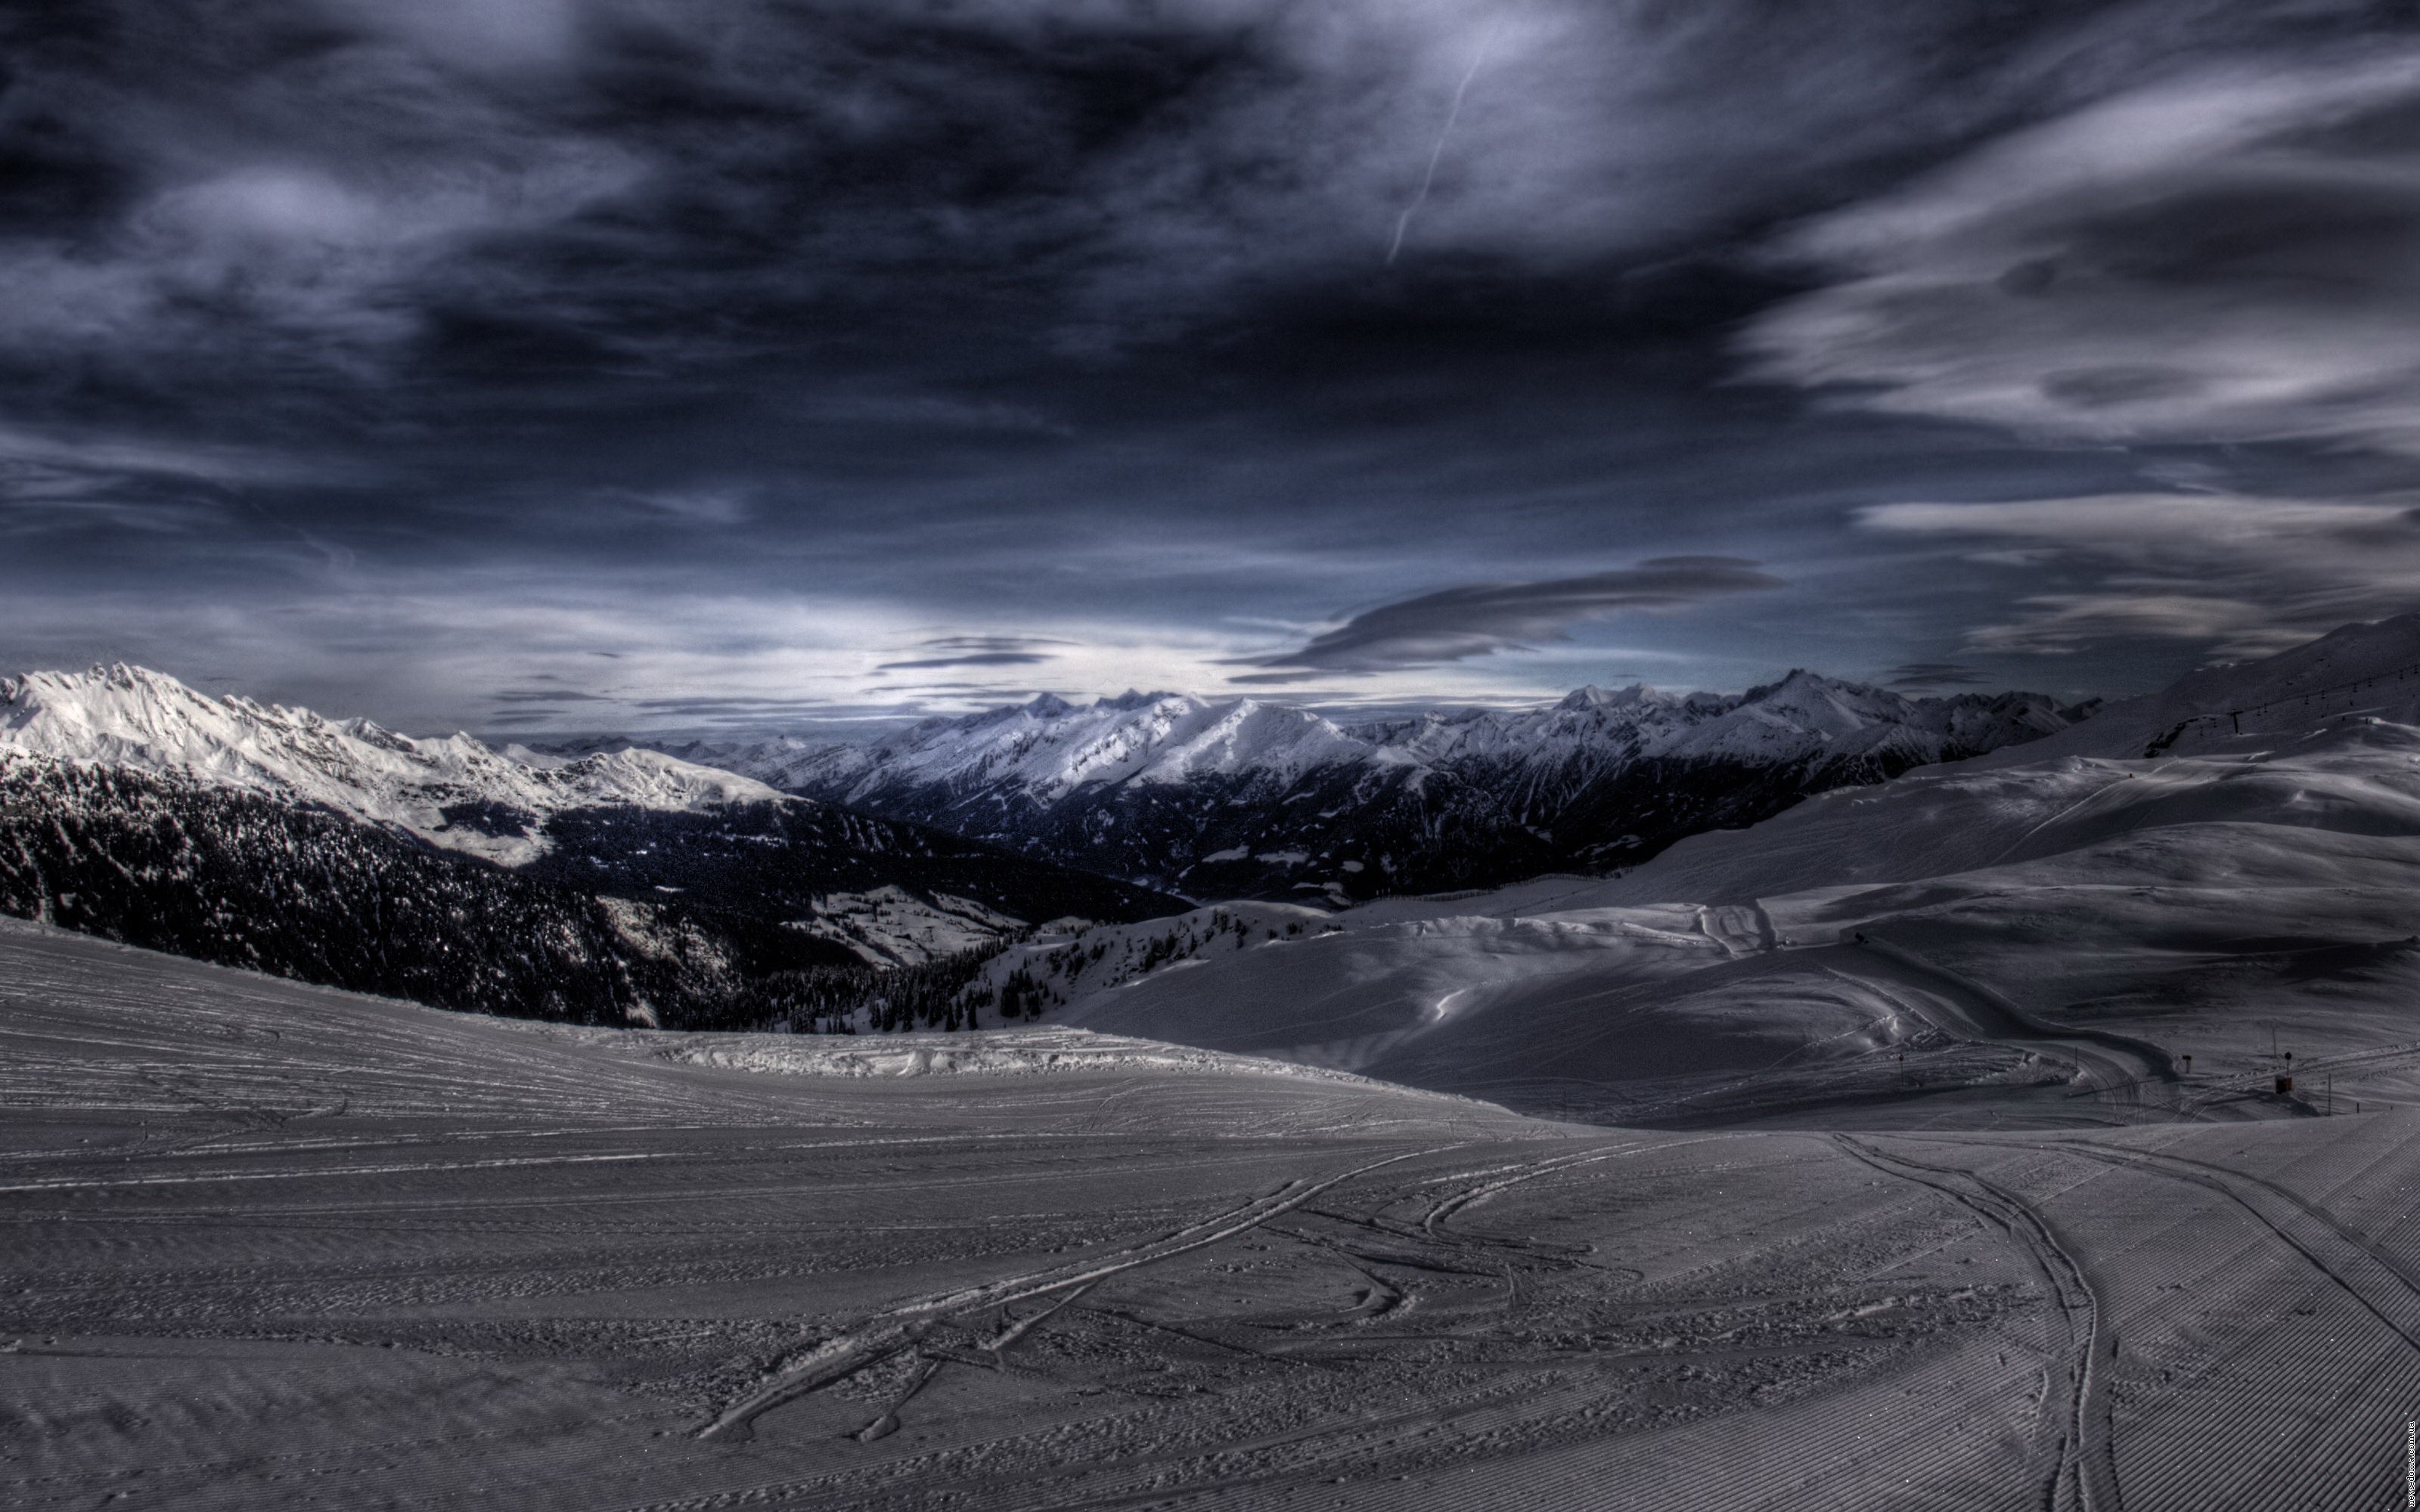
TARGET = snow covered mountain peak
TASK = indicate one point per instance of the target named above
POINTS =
(1805, 706)
(451, 791)
(1238, 793)
(1801, 688)
(1637, 695)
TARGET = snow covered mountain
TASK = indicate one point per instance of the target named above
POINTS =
(621, 883)
(451, 791)
(1240, 798)
(2132, 919)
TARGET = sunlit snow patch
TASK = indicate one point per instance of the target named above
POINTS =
(892, 927)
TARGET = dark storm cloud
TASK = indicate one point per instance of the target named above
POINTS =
(590, 192)
(1456, 624)
(2232, 253)
(339, 337)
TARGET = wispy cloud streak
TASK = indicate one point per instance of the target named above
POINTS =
(1478, 619)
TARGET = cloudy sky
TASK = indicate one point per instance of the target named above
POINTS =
(598, 364)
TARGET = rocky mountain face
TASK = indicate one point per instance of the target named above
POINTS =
(1245, 798)
(625, 886)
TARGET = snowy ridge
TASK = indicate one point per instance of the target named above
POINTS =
(147, 722)
(1239, 797)
(1049, 747)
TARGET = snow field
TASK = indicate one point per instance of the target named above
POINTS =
(275, 1246)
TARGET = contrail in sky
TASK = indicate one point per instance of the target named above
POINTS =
(1403, 221)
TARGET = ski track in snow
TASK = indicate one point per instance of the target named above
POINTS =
(846, 1353)
(2081, 1476)
(272, 1246)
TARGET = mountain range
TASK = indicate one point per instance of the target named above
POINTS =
(859, 885)
(1242, 797)
(625, 885)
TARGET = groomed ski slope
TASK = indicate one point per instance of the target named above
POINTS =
(271, 1246)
